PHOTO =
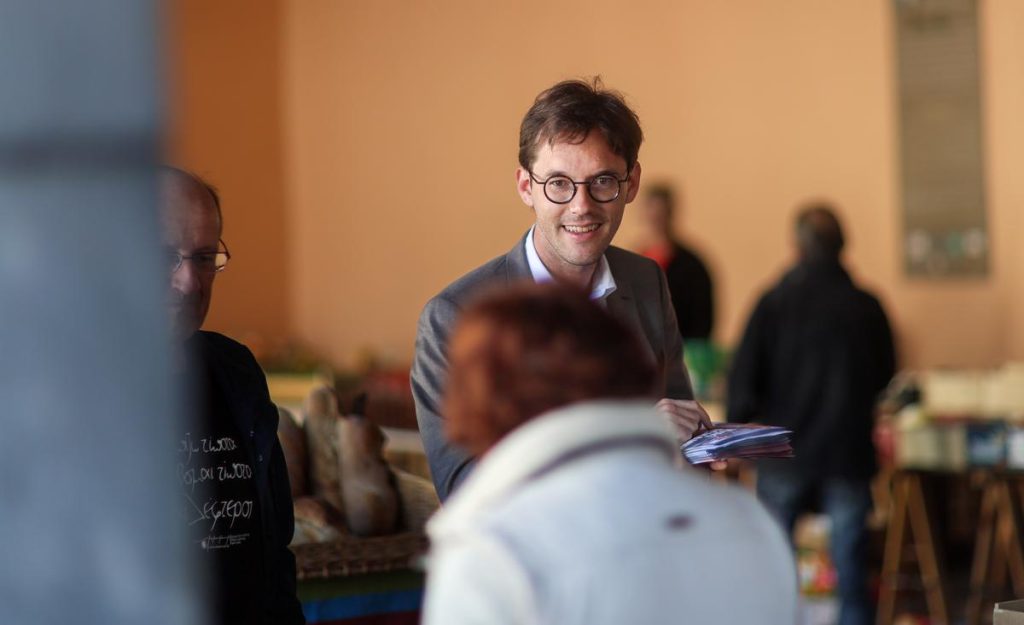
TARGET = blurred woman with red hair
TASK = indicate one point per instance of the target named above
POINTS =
(580, 510)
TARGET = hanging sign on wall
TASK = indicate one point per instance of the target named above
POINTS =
(941, 164)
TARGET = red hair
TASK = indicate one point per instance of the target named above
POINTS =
(529, 349)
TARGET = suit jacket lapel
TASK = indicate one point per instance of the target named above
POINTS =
(622, 302)
(624, 305)
(516, 266)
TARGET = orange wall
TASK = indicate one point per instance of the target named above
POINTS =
(224, 93)
(399, 122)
(402, 122)
(1003, 59)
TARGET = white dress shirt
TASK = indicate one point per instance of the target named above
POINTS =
(603, 282)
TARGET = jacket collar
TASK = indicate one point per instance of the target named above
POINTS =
(517, 267)
(804, 275)
(546, 441)
(621, 302)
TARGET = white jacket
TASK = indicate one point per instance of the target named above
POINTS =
(582, 516)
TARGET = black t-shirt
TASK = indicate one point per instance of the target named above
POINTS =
(222, 511)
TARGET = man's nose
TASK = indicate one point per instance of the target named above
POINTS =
(581, 203)
(185, 278)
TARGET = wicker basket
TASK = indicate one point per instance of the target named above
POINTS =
(352, 555)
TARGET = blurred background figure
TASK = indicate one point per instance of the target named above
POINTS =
(690, 286)
(816, 353)
(689, 281)
(578, 511)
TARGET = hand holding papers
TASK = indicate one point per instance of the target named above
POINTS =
(736, 440)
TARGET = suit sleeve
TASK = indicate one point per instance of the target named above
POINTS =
(449, 465)
(677, 378)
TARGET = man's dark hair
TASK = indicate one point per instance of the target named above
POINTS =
(570, 110)
(200, 182)
(818, 233)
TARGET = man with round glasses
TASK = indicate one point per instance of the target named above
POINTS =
(235, 493)
(576, 134)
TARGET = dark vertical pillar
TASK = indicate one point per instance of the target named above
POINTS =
(89, 531)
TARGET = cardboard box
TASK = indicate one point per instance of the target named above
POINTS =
(1009, 613)
(952, 391)
(1004, 392)
(936, 447)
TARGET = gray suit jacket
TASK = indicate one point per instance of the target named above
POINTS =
(641, 299)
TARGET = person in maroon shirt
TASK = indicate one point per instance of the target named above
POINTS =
(689, 281)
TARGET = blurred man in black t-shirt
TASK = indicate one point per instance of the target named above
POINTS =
(236, 500)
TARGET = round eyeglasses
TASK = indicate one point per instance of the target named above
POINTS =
(204, 262)
(562, 189)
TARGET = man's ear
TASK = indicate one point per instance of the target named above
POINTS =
(633, 184)
(524, 187)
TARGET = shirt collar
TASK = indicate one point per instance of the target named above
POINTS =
(603, 282)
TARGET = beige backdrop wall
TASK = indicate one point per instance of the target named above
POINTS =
(400, 125)
(225, 120)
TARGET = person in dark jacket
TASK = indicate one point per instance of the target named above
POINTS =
(815, 355)
(235, 495)
(689, 281)
(579, 145)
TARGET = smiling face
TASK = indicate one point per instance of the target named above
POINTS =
(571, 238)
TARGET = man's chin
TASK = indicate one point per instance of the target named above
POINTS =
(183, 328)
(585, 252)
(585, 257)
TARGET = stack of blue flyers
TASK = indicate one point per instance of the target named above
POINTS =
(738, 440)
